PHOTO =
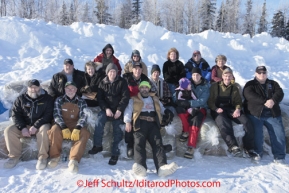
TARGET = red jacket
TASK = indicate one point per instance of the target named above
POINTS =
(114, 59)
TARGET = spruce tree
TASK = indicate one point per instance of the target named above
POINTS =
(221, 19)
(263, 22)
(64, 19)
(286, 31)
(71, 14)
(136, 11)
(278, 25)
(207, 13)
(101, 12)
(248, 20)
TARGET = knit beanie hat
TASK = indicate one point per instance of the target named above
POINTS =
(197, 70)
(33, 82)
(155, 67)
(184, 83)
(111, 66)
(144, 83)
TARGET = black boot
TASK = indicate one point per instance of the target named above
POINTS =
(95, 150)
(113, 160)
(129, 151)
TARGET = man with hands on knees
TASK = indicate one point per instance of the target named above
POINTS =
(31, 115)
(69, 120)
(225, 103)
(113, 97)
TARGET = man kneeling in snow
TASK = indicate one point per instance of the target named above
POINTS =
(146, 113)
(69, 120)
(32, 115)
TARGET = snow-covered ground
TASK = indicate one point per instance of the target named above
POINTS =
(35, 49)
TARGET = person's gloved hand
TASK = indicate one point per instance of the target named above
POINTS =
(32, 130)
(66, 133)
(75, 135)
(25, 132)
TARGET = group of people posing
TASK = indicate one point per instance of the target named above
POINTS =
(140, 101)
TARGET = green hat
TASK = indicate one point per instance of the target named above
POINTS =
(70, 83)
(145, 83)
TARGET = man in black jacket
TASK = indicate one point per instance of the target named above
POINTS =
(113, 97)
(262, 98)
(68, 74)
(32, 115)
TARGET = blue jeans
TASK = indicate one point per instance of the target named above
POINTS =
(172, 88)
(99, 130)
(276, 133)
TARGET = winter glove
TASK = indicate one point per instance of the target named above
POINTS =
(66, 133)
(183, 103)
(25, 132)
(167, 118)
(75, 135)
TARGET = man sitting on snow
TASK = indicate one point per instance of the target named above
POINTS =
(69, 120)
(32, 115)
(145, 112)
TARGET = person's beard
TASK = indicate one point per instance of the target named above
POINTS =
(144, 94)
(33, 95)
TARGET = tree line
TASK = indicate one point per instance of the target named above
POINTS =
(182, 16)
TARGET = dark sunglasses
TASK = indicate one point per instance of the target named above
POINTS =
(261, 72)
(194, 55)
(136, 56)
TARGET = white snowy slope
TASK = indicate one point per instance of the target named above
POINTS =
(35, 49)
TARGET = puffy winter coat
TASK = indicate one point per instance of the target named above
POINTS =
(33, 112)
(256, 97)
(101, 58)
(203, 65)
(58, 81)
(129, 65)
(114, 96)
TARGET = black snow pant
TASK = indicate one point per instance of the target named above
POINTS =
(128, 138)
(149, 131)
(224, 123)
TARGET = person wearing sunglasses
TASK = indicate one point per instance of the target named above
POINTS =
(135, 58)
(262, 99)
(198, 62)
